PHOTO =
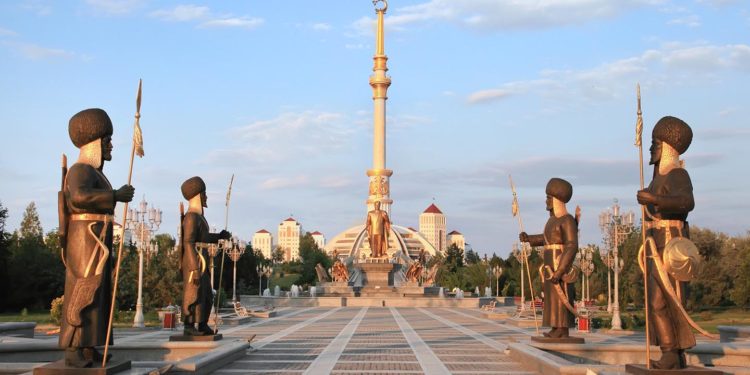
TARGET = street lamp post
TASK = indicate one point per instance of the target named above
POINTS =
(521, 253)
(261, 270)
(234, 248)
(497, 271)
(585, 260)
(615, 228)
(142, 222)
(608, 263)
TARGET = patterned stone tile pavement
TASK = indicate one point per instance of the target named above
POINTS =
(376, 340)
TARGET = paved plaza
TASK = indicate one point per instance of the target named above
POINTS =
(374, 340)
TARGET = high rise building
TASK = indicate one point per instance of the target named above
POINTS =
(263, 242)
(289, 232)
(456, 238)
(319, 238)
(433, 228)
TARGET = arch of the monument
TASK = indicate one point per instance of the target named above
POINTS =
(353, 241)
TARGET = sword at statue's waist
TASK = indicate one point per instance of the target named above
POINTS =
(91, 217)
(659, 223)
(556, 246)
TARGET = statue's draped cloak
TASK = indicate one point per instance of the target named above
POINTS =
(197, 299)
(87, 191)
(558, 231)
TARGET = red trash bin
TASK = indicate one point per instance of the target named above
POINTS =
(169, 320)
(583, 324)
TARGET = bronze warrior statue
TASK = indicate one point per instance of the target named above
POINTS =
(668, 200)
(197, 294)
(560, 241)
(378, 226)
(86, 208)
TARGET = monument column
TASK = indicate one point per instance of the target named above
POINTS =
(379, 81)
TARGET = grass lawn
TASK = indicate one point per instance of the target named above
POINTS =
(43, 318)
(284, 282)
(708, 320)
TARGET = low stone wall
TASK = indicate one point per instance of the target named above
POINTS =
(18, 329)
(734, 333)
(249, 300)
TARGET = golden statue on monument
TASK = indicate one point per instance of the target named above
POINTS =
(378, 225)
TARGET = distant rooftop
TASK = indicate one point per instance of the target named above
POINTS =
(262, 231)
(433, 209)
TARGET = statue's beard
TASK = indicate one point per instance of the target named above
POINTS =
(91, 154)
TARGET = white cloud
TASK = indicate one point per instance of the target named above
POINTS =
(181, 13)
(34, 52)
(114, 7)
(243, 22)
(276, 183)
(39, 7)
(321, 26)
(689, 21)
(7, 32)
(289, 136)
(207, 19)
(493, 15)
(671, 63)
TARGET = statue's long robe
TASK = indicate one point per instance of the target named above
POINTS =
(670, 330)
(87, 191)
(558, 231)
(197, 299)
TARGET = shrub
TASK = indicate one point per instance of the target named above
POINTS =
(706, 315)
(56, 308)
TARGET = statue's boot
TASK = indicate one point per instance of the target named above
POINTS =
(204, 329)
(683, 359)
(670, 360)
(551, 333)
(94, 355)
(563, 332)
(190, 330)
(74, 358)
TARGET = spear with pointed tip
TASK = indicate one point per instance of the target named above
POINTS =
(137, 149)
(517, 212)
(639, 144)
(221, 273)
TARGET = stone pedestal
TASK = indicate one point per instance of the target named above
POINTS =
(216, 337)
(558, 340)
(59, 368)
(376, 275)
(690, 370)
(336, 288)
(410, 288)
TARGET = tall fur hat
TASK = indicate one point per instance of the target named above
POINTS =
(89, 125)
(192, 187)
(674, 132)
(560, 189)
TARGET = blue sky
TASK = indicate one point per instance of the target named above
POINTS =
(277, 93)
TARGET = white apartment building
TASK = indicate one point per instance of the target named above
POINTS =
(263, 241)
(319, 238)
(289, 232)
(456, 238)
(432, 226)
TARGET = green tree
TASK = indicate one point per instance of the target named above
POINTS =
(472, 257)
(740, 248)
(4, 258)
(161, 275)
(311, 255)
(454, 258)
(277, 255)
(35, 271)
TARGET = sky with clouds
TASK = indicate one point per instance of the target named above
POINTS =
(277, 93)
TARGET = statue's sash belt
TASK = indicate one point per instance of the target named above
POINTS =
(91, 217)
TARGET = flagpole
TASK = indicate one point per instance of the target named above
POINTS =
(223, 252)
(137, 146)
(639, 143)
(517, 212)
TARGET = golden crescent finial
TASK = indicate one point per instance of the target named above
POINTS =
(384, 8)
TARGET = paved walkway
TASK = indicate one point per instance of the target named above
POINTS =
(376, 340)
